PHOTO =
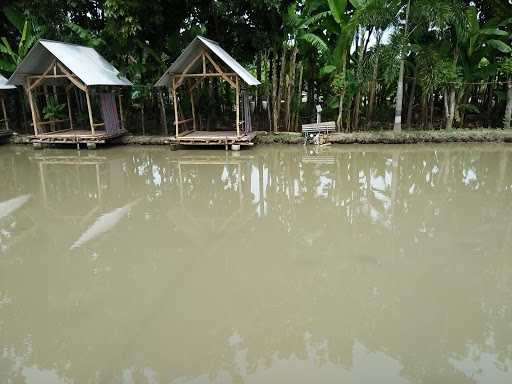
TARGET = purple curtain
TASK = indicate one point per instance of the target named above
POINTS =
(109, 113)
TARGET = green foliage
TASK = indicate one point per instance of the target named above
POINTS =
(85, 36)
(53, 109)
(506, 66)
(448, 42)
(11, 57)
(339, 85)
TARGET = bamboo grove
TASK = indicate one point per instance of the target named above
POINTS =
(370, 64)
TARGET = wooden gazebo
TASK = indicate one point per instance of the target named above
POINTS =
(5, 89)
(205, 59)
(59, 76)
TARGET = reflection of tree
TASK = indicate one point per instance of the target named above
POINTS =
(233, 265)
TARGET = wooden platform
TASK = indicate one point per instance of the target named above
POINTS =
(213, 138)
(75, 136)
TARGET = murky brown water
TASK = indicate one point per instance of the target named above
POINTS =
(275, 265)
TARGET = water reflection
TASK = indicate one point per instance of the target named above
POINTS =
(282, 264)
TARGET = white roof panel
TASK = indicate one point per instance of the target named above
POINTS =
(4, 85)
(193, 49)
(86, 63)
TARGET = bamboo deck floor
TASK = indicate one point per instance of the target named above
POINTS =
(75, 136)
(213, 138)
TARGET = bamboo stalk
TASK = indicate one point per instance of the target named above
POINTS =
(193, 110)
(32, 108)
(237, 108)
(175, 102)
(89, 110)
(6, 121)
(69, 109)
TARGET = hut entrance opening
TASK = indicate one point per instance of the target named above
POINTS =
(61, 104)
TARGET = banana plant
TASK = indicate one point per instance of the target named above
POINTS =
(10, 56)
(53, 109)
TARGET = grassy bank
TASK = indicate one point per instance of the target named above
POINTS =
(455, 136)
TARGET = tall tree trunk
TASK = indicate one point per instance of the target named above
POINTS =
(258, 76)
(400, 86)
(508, 109)
(423, 110)
(339, 120)
(363, 45)
(295, 121)
(163, 116)
(371, 92)
(291, 88)
(490, 104)
(412, 97)
(431, 117)
(280, 93)
(399, 98)
(449, 105)
(357, 103)
(275, 116)
(464, 99)
(349, 116)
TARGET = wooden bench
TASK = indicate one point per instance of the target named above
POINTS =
(326, 127)
(309, 130)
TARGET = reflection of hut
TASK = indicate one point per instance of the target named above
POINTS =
(90, 86)
(4, 120)
(205, 59)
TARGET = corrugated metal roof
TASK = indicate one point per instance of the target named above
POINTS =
(86, 63)
(4, 85)
(193, 50)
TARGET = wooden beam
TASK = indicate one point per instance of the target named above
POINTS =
(175, 102)
(183, 121)
(77, 83)
(52, 121)
(213, 74)
(187, 68)
(237, 108)
(69, 109)
(204, 64)
(32, 109)
(219, 70)
(89, 109)
(6, 121)
(50, 77)
(193, 110)
(44, 75)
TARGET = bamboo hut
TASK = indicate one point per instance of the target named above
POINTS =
(204, 60)
(73, 92)
(4, 94)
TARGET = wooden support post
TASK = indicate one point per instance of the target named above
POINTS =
(89, 109)
(237, 108)
(32, 108)
(121, 114)
(193, 110)
(6, 121)
(175, 102)
(69, 109)
(204, 64)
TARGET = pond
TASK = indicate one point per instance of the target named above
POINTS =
(278, 264)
